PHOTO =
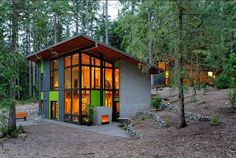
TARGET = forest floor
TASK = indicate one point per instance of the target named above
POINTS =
(199, 139)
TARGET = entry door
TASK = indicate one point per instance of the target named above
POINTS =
(54, 109)
(116, 111)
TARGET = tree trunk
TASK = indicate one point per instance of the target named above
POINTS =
(14, 29)
(198, 73)
(33, 64)
(179, 62)
(194, 95)
(30, 78)
(106, 22)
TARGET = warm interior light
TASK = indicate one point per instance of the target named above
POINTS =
(105, 119)
(56, 84)
(210, 73)
(167, 74)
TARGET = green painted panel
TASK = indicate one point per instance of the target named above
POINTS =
(42, 95)
(95, 97)
(41, 66)
(54, 96)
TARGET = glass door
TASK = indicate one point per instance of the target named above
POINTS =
(116, 111)
(54, 109)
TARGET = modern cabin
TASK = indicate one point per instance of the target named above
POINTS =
(81, 72)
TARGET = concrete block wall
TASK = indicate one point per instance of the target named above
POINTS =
(135, 89)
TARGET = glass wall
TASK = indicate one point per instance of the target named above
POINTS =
(87, 80)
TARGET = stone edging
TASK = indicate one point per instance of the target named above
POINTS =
(157, 118)
(130, 128)
(189, 115)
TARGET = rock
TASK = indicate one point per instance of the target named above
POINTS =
(157, 118)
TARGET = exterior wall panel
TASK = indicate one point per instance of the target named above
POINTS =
(61, 88)
(135, 90)
(46, 86)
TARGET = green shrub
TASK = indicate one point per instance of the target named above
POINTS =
(12, 133)
(156, 102)
(215, 121)
(222, 82)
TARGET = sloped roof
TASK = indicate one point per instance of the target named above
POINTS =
(85, 44)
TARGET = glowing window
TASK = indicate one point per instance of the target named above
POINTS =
(75, 102)
(75, 59)
(54, 75)
(85, 77)
(85, 101)
(67, 108)
(97, 62)
(108, 64)
(75, 77)
(67, 81)
(108, 78)
(108, 98)
(85, 59)
(95, 77)
(117, 79)
(67, 61)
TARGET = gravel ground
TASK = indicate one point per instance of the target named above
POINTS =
(199, 139)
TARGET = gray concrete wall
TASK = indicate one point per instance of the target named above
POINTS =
(46, 86)
(135, 89)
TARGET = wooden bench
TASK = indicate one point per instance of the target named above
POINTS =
(21, 115)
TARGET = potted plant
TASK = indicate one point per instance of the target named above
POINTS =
(89, 118)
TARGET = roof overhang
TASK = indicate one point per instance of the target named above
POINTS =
(85, 44)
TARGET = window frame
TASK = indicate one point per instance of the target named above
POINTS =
(52, 71)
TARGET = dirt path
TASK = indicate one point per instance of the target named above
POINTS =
(199, 139)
